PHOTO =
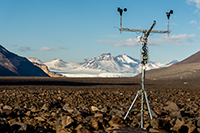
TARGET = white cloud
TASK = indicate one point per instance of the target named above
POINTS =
(122, 43)
(193, 22)
(51, 48)
(199, 27)
(181, 39)
(196, 2)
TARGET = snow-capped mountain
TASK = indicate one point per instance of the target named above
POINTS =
(35, 60)
(104, 65)
(56, 63)
(171, 62)
(106, 62)
(121, 63)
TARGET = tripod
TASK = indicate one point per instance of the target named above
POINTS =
(143, 91)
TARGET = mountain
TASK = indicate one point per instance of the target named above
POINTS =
(35, 60)
(46, 70)
(60, 65)
(57, 63)
(104, 65)
(121, 63)
(171, 62)
(184, 70)
(14, 65)
(195, 58)
(105, 62)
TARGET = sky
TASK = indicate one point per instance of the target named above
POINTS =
(79, 29)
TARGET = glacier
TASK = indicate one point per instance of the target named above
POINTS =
(104, 65)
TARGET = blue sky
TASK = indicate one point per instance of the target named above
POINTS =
(78, 29)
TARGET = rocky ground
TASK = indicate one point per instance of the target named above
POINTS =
(96, 105)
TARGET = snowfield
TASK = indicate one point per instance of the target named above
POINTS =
(104, 65)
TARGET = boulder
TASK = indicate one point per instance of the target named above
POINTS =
(66, 121)
(94, 108)
(173, 105)
(116, 122)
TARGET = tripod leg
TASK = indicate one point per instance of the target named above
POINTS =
(142, 110)
(157, 94)
(132, 104)
(150, 115)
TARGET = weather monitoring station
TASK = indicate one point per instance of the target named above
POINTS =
(144, 60)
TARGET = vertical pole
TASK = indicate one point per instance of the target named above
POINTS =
(144, 60)
(120, 23)
(168, 27)
(142, 101)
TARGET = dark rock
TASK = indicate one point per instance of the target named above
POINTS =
(68, 109)
(6, 111)
(84, 130)
(98, 115)
(39, 118)
(65, 106)
(45, 130)
(191, 127)
(117, 112)
(178, 124)
(94, 108)
(153, 130)
(116, 122)
(198, 123)
(173, 105)
(187, 128)
(4, 126)
(160, 124)
(66, 130)
(79, 127)
(66, 121)
(58, 125)
(7, 107)
(19, 126)
(154, 113)
(46, 107)
(176, 114)
(128, 130)
(104, 110)
(95, 125)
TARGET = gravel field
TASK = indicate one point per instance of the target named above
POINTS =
(35, 104)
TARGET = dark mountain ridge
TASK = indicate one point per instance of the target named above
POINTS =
(195, 58)
(14, 65)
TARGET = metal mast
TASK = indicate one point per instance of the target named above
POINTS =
(144, 61)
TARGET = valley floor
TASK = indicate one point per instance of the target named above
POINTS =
(96, 104)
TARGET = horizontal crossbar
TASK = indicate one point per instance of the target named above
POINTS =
(144, 31)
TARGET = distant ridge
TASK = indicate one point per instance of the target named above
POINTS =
(195, 58)
(188, 69)
(14, 65)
